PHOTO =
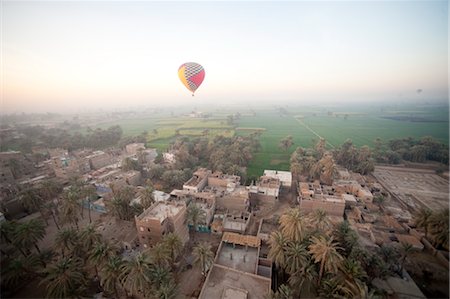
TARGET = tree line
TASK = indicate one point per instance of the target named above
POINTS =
(30, 136)
(415, 150)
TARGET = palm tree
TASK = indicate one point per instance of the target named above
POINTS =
(100, 254)
(328, 169)
(173, 244)
(71, 206)
(439, 227)
(296, 257)
(278, 244)
(91, 194)
(33, 201)
(160, 255)
(320, 220)
(110, 274)
(18, 268)
(292, 225)
(423, 219)
(67, 239)
(8, 229)
(390, 255)
(320, 148)
(352, 277)
(167, 290)
(405, 249)
(330, 288)
(29, 234)
(324, 251)
(195, 215)
(89, 237)
(65, 278)
(203, 256)
(135, 274)
(283, 292)
(306, 274)
(147, 198)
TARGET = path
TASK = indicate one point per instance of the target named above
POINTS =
(312, 131)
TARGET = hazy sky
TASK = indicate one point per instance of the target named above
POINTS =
(71, 55)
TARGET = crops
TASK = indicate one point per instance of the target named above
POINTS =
(362, 124)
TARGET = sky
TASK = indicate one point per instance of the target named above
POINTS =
(71, 56)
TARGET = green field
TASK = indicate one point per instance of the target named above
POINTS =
(360, 123)
(362, 126)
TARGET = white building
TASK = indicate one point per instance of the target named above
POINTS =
(285, 177)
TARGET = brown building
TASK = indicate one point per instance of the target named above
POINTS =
(266, 191)
(99, 159)
(160, 219)
(311, 197)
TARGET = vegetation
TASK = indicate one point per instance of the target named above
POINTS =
(203, 256)
(325, 259)
(435, 225)
(415, 150)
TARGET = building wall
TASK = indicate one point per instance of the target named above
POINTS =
(197, 188)
(133, 148)
(217, 182)
(100, 160)
(151, 231)
(331, 208)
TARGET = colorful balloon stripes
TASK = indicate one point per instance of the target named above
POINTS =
(191, 75)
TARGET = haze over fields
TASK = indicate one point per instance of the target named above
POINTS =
(75, 56)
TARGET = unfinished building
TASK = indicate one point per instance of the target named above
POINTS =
(160, 219)
(237, 222)
(215, 182)
(266, 190)
(238, 270)
(198, 181)
(285, 177)
(311, 197)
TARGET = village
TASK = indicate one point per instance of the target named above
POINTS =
(235, 221)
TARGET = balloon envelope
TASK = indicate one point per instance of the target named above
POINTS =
(191, 75)
(419, 90)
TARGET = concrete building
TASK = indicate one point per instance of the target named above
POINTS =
(285, 177)
(236, 201)
(119, 231)
(311, 197)
(14, 164)
(266, 190)
(236, 223)
(160, 219)
(66, 166)
(198, 181)
(223, 181)
(214, 182)
(133, 148)
(266, 227)
(100, 159)
(239, 270)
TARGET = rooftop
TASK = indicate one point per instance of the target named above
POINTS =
(284, 176)
(160, 211)
(269, 182)
(220, 279)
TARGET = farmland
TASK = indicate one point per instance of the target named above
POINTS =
(362, 124)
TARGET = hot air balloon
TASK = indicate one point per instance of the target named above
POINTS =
(191, 75)
(419, 91)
